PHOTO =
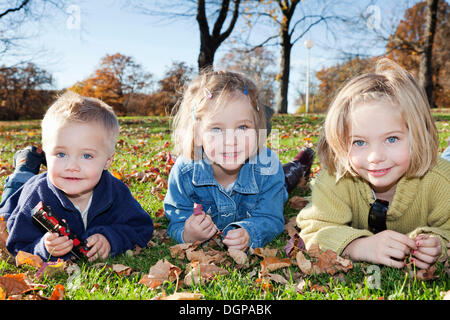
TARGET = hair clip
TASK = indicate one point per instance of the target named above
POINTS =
(245, 91)
(207, 93)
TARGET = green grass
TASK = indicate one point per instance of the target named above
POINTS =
(142, 142)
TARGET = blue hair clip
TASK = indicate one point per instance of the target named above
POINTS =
(245, 91)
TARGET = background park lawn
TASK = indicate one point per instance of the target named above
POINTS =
(143, 161)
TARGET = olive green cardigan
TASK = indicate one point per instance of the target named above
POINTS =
(338, 212)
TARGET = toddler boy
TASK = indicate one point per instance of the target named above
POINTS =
(78, 137)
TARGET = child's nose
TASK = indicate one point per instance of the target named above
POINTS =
(376, 155)
(230, 137)
(72, 165)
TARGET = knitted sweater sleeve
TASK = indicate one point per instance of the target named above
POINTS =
(328, 217)
(437, 187)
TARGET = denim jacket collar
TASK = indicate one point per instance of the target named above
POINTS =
(203, 175)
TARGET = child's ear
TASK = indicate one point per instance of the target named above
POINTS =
(109, 162)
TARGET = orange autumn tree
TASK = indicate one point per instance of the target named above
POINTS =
(115, 82)
(406, 46)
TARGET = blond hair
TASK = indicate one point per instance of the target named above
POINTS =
(206, 94)
(389, 83)
(71, 107)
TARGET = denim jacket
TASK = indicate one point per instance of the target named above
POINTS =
(255, 202)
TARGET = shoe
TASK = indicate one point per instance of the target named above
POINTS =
(31, 158)
(298, 168)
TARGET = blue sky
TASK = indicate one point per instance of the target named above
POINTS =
(72, 53)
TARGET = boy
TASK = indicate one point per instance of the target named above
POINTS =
(78, 138)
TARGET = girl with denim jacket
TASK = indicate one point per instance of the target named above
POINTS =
(219, 136)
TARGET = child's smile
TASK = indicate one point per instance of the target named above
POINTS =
(229, 137)
(380, 151)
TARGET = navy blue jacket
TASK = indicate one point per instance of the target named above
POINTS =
(113, 213)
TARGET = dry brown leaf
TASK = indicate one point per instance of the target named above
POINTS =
(33, 260)
(297, 202)
(160, 272)
(183, 296)
(122, 270)
(3, 234)
(239, 256)
(179, 250)
(291, 226)
(314, 250)
(304, 264)
(427, 274)
(18, 284)
(273, 263)
(277, 278)
(265, 252)
(201, 273)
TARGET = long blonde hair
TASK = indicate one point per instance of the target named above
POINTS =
(392, 83)
(208, 93)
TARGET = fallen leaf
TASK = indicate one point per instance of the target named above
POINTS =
(179, 250)
(121, 270)
(264, 252)
(58, 292)
(291, 227)
(160, 272)
(277, 278)
(303, 263)
(273, 263)
(201, 273)
(3, 233)
(17, 284)
(33, 260)
(297, 202)
(294, 245)
(51, 268)
(427, 274)
(239, 256)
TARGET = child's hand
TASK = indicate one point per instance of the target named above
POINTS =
(237, 239)
(199, 228)
(99, 247)
(387, 247)
(428, 251)
(56, 245)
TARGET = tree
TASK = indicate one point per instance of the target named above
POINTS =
(420, 44)
(282, 13)
(258, 64)
(24, 91)
(15, 13)
(115, 81)
(332, 78)
(170, 90)
(210, 42)
(223, 11)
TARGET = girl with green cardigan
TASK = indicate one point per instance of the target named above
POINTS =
(383, 194)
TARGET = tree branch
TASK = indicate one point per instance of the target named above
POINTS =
(24, 3)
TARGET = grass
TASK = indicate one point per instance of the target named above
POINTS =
(144, 144)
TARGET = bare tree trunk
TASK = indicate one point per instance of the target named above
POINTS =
(209, 43)
(425, 63)
(282, 94)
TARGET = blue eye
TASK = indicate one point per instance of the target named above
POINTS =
(216, 130)
(60, 155)
(87, 156)
(243, 127)
(359, 143)
(392, 139)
